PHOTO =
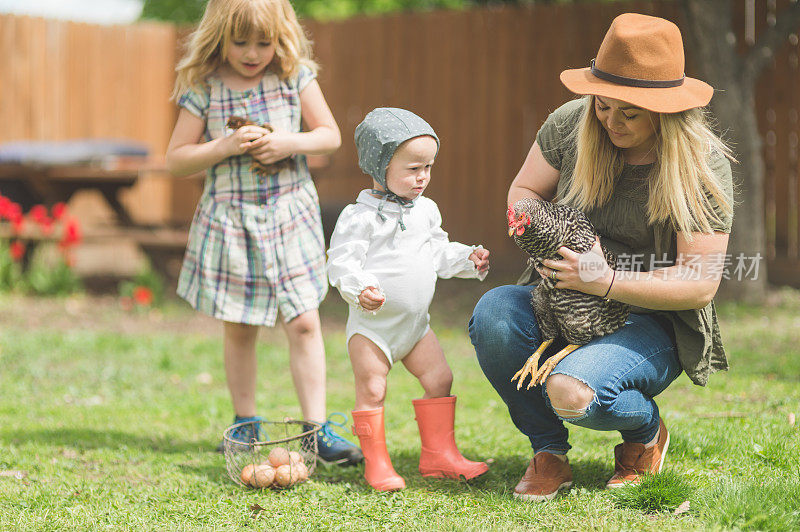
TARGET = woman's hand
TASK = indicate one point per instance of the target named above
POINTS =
(481, 259)
(243, 139)
(588, 272)
(273, 147)
(371, 299)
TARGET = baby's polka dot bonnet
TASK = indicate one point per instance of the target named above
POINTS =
(381, 132)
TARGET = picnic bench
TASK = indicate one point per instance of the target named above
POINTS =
(48, 172)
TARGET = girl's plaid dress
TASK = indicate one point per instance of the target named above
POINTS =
(256, 244)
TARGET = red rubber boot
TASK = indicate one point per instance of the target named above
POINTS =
(439, 456)
(378, 470)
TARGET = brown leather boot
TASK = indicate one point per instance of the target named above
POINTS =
(378, 469)
(633, 459)
(439, 456)
(546, 474)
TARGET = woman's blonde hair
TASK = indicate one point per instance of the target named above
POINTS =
(226, 20)
(682, 181)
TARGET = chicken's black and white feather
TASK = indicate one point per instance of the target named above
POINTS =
(540, 229)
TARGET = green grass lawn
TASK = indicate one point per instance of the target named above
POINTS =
(111, 418)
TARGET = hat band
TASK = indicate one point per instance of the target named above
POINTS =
(634, 82)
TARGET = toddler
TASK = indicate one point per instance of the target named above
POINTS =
(386, 253)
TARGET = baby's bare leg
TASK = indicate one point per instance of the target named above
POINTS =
(240, 366)
(370, 368)
(427, 363)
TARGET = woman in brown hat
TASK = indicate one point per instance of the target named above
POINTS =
(638, 157)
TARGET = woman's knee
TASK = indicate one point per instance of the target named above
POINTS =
(568, 396)
(495, 320)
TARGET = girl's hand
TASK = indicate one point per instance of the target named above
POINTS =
(588, 272)
(273, 147)
(481, 259)
(241, 140)
(371, 299)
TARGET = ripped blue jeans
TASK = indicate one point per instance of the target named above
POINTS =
(625, 370)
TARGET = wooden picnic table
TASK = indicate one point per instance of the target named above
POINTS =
(31, 184)
(48, 172)
(49, 178)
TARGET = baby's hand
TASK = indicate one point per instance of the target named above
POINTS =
(371, 299)
(242, 139)
(481, 259)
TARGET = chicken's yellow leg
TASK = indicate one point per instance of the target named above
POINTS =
(550, 363)
(530, 365)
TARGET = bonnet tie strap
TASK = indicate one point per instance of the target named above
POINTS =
(391, 196)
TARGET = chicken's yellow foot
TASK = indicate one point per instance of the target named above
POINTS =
(530, 365)
(550, 363)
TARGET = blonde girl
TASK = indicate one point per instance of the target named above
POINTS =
(256, 247)
(637, 155)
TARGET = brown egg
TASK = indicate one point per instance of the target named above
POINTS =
(294, 456)
(299, 472)
(263, 476)
(283, 476)
(279, 456)
(247, 474)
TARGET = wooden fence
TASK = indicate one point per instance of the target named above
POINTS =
(65, 80)
(778, 104)
(484, 78)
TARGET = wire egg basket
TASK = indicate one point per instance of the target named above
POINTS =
(271, 454)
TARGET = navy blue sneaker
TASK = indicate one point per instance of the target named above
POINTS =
(244, 434)
(334, 449)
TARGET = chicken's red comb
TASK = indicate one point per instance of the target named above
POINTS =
(511, 215)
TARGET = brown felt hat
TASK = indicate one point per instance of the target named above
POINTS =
(640, 61)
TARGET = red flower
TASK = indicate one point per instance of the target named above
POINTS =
(17, 250)
(10, 210)
(13, 212)
(143, 296)
(5, 205)
(38, 213)
(58, 210)
(72, 234)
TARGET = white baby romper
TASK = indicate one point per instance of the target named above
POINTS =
(404, 264)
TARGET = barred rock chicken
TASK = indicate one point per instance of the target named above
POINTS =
(235, 122)
(539, 229)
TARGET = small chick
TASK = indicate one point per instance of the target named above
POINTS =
(235, 122)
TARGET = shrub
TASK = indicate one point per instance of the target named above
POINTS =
(24, 266)
(144, 290)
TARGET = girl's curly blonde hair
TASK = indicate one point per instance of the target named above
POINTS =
(227, 20)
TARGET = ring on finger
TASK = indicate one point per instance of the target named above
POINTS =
(553, 275)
